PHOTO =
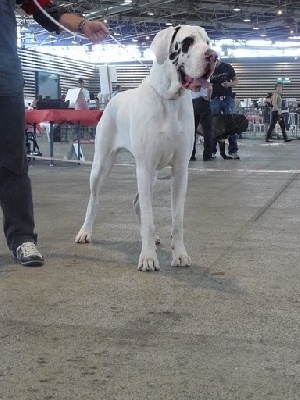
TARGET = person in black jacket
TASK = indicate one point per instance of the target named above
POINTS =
(223, 80)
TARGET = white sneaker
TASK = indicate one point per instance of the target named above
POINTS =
(213, 155)
(29, 255)
(235, 156)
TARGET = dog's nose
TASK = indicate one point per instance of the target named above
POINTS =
(211, 55)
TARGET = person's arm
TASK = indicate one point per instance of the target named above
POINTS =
(233, 83)
(232, 78)
(209, 92)
(93, 30)
(96, 31)
(87, 95)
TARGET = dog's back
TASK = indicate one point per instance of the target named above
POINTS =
(224, 125)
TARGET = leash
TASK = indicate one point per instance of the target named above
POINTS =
(62, 27)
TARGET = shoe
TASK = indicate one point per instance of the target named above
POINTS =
(235, 156)
(213, 155)
(288, 140)
(29, 255)
(226, 157)
(269, 140)
(193, 158)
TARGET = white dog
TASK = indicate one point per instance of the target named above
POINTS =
(155, 123)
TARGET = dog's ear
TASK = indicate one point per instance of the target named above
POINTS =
(161, 44)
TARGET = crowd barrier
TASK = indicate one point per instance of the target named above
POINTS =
(259, 120)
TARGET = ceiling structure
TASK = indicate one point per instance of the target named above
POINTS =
(138, 20)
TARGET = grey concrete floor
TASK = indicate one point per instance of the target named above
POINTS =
(88, 325)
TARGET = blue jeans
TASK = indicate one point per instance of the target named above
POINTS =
(225, 105)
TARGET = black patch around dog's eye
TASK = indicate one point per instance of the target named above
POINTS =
(176, 46)
(173, 55)
(186, 43)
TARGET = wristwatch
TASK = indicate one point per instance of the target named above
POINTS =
(81, 25)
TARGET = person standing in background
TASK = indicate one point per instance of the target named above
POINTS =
(117, 90)
(80, 84)
(267, 110)
(202, 114)
(223, 80)
(276, 114)
(102, 100)
(15, 185)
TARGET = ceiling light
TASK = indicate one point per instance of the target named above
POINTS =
(150, 13)
(147, 37)
(168, 23)
(237, 8)
(256, 28)
(247, 19)
(134, 40)
(105, 21)
(117, 33)
(279, 11)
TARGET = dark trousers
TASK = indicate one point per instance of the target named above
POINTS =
(202, 115)
(15, 187)
(274, 119)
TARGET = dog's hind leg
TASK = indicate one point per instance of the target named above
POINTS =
(136, 205)
(178, 190)
(100, 171)
(143, 205)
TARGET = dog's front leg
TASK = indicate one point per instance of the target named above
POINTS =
(148, 258)
(136, 205)
(178, 190)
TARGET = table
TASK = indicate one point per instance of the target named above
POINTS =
(57, 116)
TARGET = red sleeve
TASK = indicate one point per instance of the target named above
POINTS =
(31, 8)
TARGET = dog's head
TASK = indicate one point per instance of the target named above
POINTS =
(188, 48)
(240, 123)
(225, 124)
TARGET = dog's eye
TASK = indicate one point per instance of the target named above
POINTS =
(186, 43)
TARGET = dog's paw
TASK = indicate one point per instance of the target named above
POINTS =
(148, 264)
(157, 240)
(183, 260)
(83, 236)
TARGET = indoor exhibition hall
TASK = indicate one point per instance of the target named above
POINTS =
(150, 197)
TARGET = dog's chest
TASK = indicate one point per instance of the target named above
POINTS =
(173, 117)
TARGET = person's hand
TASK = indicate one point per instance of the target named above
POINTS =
(225, 84)
(96, 31)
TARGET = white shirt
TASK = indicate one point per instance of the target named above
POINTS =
(202, 93)
(103, 100)
(86, 94)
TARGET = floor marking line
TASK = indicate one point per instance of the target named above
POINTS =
(245, 170)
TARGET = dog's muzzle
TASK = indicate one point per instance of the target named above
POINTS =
(210, 59)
